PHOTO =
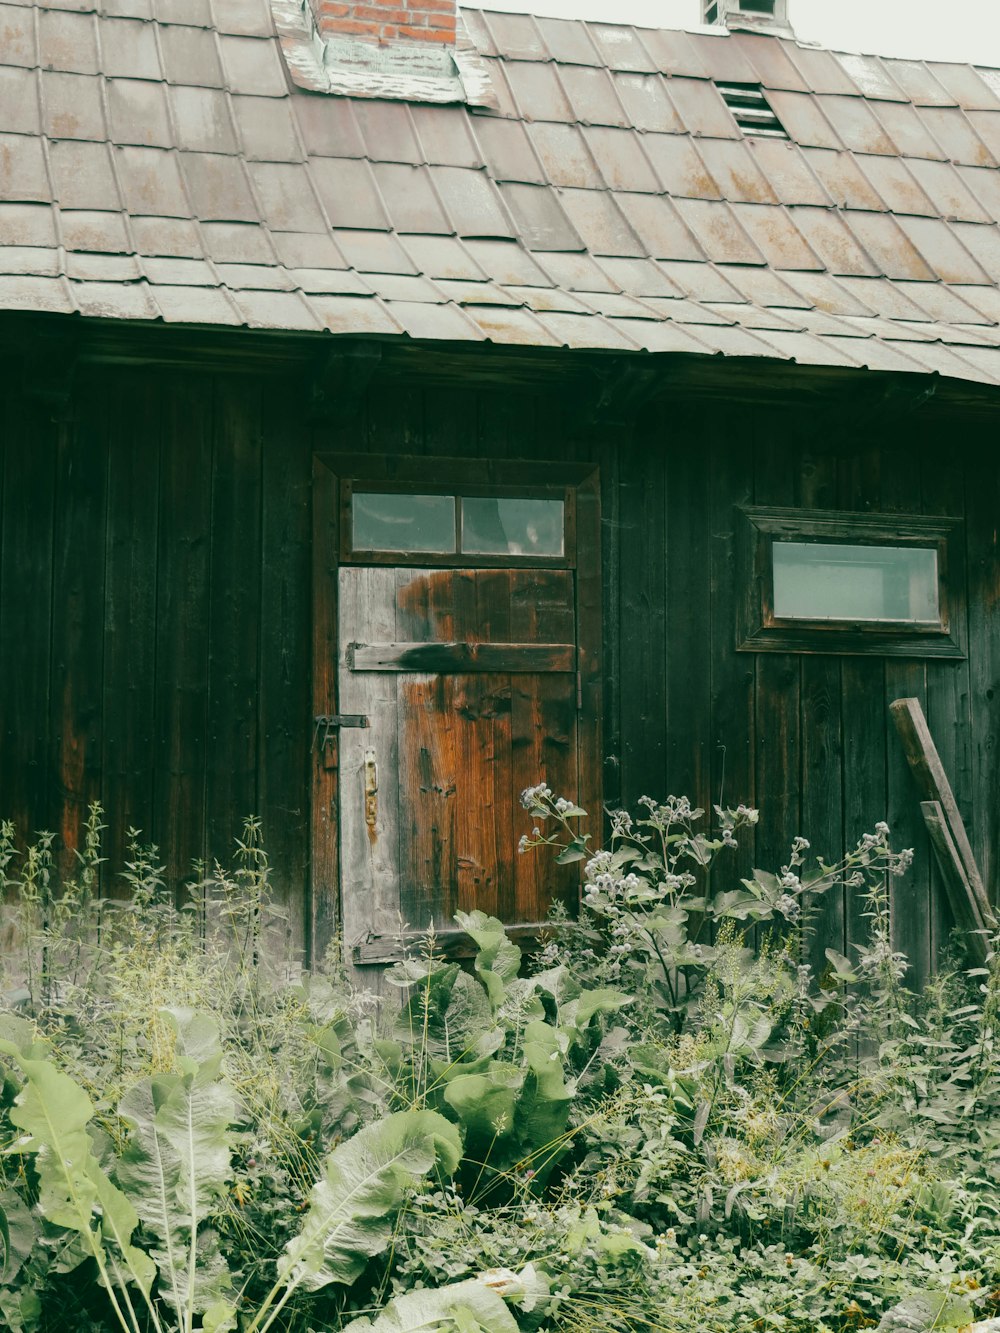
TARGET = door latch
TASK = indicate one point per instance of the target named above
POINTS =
(325, 729)
(371, 792)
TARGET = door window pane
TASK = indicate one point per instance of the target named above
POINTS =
(512, 527)
(387, 522)
(827, 581)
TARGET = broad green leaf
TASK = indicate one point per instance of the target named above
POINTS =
(498, 960)
(485, 1103)
(352, 1209)
(464, 1307)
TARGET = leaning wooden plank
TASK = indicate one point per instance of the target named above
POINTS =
(927, 769)
(960, 895)
(442, 658)
(449, 944)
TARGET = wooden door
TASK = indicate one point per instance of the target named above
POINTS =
(470, 682)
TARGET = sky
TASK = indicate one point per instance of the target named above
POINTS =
(967, 30)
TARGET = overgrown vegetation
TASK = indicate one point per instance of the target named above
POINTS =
(648, 1125)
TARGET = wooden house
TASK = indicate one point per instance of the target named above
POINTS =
(395, 415)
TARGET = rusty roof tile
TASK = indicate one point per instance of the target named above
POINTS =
(445, 135)
(286, 196)
(296, 249)
(504, 324)
(171, 272)
(471, 202)
(506, 148)
(565, 156)
(127, 9)
(327, 281)
(219, 189)
(954, 334)
(82, 175)
(67, 42)
(444, 322)
(128, 49)
(72, 107)
(113, 300)
(81, 229)
(194, 305)
(984, 183)
(137, 110)
(547, 298)
(987, 126)
(966, 86)
(675, 52)
(622, 163)
(42, 262)
(203, 120)
(17, 36)
(173, 237)
(764, 288)
(190, 56)
(957, 137)
(702, 282)
(646, 103)
(749, 316)
(983, 243)
(895, 185)
(621, 48)
(409, 199)
(948, 194)
(567, 41)
(592, 96)
(731, 340)
(22, 169)
(735, 169)
(575, 273)
(721, 58)
(662, 337)
(537, 92)
(506, 263)
(842, 179)
(517, 37)
(372, 252)
(984, 299)
(907, 131)
(570, 330)
(938, 244)
(680, 167)
(808, 350)
(253, 65)
(539, 220)
(820, 69)
(619, 306)
(870, 77)
(776, 236)
(267, 129)
(984, 360)
(244, 18)
(476, 293)
(387, 131)
(86, 267)
(19, 100)
(27, 224)
(194, 13)
(829, 294)
(702, 109)
(662, 230)
(770, 60)
(328, 126)
(943, 360)
(878, 355)
(479, 32)
(637, 277)
(276, 310)
(505, 105)
(828, 236)
(404, 287)
(443, 257)
(892, 252)
(353, 314)
(788, 172)
(689, 312)
(599, 223)
(856, 124)
(882, 298)
(803, 119)
(348, 193)
(718, 232)
(31, 293)
(918, 83)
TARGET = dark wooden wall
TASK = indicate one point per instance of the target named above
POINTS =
(155, 615)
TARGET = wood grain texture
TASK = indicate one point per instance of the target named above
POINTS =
(965, 904)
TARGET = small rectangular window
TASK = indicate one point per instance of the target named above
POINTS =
(839, 581)
(384, 521)
(825, 581)
(524, 526)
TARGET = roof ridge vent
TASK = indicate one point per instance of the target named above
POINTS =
(767, 16)
(751, 109)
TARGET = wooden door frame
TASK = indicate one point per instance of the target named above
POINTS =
(329, 468)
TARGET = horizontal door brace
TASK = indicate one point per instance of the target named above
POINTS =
(441, 658)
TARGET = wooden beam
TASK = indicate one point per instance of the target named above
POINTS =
(932, 782)
(449, 945)
(444, 658)
(960, 896)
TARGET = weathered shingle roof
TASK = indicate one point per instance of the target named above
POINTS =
(156, 162)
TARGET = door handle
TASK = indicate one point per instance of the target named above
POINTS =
(371, 792)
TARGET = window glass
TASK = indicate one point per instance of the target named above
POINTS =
(828, 581)
(387, 522)
(512, 527)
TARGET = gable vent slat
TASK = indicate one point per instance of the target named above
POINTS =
(751, 109)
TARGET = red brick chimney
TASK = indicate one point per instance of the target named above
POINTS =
(388, 21)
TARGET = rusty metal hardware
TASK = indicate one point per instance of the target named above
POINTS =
(371, 792)
(327, 724)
